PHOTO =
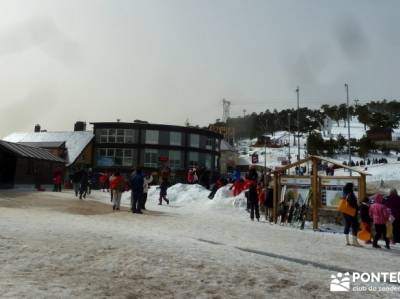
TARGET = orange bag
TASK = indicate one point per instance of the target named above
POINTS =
(364, 234)
(345, 208)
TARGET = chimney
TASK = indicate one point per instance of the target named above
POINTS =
(37, 128)
(80, 126)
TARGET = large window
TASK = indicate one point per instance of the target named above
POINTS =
(175, 159)
(194, 140)
(207, 161)
(217, 145)
(115, 157)
(175, 138)
(209, 143)
(151, 158)
(115, 136)
(193, 158)
(151, 137)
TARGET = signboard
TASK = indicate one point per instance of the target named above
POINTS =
(254, 159)
(332, 190)
(163, 159)
(296, 181)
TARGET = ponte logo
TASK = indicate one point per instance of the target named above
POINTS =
(340, 282)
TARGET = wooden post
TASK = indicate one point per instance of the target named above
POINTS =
(315, 192)
(275, 200)
(362, 187)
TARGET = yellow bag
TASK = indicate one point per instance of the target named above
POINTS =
(345, 208)
(389, 230)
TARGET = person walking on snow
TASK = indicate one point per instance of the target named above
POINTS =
(380, 216)
(137, 183)
(393, 203)
(147, 181)
(252, 195)
(83, 185)
(117, 186)
(351, 221)
(163, 191)
(76, 181)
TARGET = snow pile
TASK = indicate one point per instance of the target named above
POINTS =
(190, 195)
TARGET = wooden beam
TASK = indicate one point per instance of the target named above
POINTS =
(340, 165)
(283, 168)
(362, 188)
(315, 191)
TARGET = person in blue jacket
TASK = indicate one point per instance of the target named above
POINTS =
(137, 182)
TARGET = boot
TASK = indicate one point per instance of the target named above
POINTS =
(347, 240)
(355, 242)
(387, 244)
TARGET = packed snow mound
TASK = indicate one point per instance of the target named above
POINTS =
(186, 195)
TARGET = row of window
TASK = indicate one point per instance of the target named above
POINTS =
(109, 157)
(130, 136)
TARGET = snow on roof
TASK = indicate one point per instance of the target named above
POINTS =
(225, 146)
(26, 151)
(55, 144)
(75, 141)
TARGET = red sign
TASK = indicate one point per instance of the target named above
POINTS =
(163, 159)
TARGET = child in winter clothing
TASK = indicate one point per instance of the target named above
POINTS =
(366, 220)
(380, 215)
(163, 192)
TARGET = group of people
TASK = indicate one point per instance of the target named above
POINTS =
(378, 213)
(82, 182)
(138, 183)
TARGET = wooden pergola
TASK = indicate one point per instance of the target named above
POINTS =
(315, 185)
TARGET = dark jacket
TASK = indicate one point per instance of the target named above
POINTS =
(137, 183)
(269, 198)
(393, 203)
(84, 180)
(76, 177)
(364, 213)
(352, 200)
(163, 187)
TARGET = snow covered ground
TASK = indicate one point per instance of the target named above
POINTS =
(53, 245)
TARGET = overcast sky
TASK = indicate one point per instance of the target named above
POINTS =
(167, 61)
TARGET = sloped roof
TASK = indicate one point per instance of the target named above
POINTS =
(75, 141)
(26, 151)
(44, 144)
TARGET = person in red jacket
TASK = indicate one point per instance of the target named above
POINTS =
(238, 187)
(117, 186)
(380, 216)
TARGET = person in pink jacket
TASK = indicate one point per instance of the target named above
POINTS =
(380, 216)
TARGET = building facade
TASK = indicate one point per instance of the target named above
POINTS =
(123, 146)
(27, 165)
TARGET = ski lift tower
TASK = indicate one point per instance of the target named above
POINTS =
(226, 110)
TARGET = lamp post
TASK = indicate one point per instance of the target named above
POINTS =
(289, 135)
(348, 123)
(298, 123)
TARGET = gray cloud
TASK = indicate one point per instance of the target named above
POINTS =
(44, 33)
(352, 38)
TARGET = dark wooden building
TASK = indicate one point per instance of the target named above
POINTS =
(380, 134)
(27, 165)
